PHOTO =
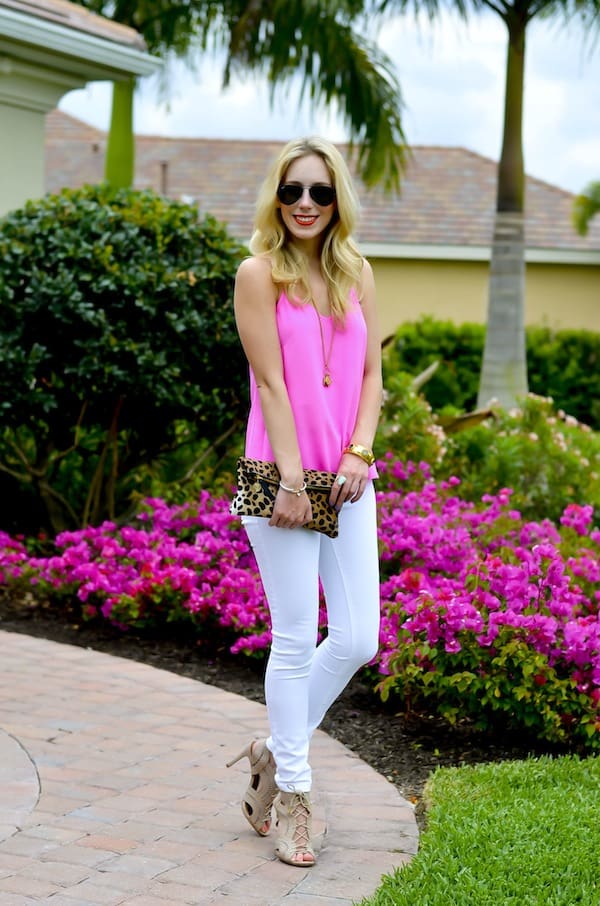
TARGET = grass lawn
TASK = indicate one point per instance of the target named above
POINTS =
(524, 833)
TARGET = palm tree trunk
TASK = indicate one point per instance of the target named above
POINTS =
(504, 367)
(120, 149)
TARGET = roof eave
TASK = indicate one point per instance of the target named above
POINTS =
(426, 251)
(110, 58)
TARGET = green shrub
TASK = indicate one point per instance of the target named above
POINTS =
(407, 425)
(191, 469)
(548, 458)
(458, 349)
(116, 326)
(565, 365)
(562, 364)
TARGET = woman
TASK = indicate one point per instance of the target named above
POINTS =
(305, 312)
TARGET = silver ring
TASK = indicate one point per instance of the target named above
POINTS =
(342, 480)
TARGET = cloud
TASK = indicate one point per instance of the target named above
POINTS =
(562, 107)
(197, 106)
(452, 78)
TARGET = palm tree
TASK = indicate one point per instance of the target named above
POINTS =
(504, 366)
(504, 369)
(586, 206)
(314, 40)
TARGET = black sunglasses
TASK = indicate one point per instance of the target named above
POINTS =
(290, 192)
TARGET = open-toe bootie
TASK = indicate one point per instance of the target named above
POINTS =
(294, 823)
(257, 802)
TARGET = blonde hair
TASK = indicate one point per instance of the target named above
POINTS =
(341, 262)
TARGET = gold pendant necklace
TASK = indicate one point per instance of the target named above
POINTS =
(326, 356)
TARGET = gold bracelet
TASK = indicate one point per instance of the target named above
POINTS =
(296, 491)
(362, 452)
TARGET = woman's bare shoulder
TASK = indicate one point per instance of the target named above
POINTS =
(255, 268)
(254, 282)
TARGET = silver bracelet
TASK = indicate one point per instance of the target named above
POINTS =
(296, 491)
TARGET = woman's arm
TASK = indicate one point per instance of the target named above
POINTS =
(255, 300)
(369, 409)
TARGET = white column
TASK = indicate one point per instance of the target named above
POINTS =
(27, 93)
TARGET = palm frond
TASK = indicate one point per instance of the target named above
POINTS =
(319, 44)
(432, 8)
(586, 206)
(587, 11)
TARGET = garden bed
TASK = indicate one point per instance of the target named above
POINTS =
(404, 749)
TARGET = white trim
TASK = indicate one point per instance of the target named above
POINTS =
(424, 251)
(563, 256)
(32, 88)
(421, 251)
(67, 41)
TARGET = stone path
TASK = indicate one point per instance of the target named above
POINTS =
(114, 790)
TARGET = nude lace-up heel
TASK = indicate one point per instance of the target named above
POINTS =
(257, 802)
(294, 822)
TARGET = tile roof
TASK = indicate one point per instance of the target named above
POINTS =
(76, 17)
(447, 197)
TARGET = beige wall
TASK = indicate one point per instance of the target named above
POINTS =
(21, 156)
(561, 295)
(27, 92)
(558, 295)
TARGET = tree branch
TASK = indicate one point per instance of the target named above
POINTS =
(92, 503)
(20, 476)
(195, 465)
(500, 9)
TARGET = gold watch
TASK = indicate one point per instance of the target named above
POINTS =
(362, 452)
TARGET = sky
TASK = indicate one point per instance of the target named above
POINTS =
(452, 80)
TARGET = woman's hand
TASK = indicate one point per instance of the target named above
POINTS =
(291, 510)
(350, 482)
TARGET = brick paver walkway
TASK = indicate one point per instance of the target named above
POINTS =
(114, 790)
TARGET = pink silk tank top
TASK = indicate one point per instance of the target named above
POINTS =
(325, 417)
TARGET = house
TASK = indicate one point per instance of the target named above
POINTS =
(429, 247)
(47, 48)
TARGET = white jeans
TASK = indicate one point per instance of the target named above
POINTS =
(303, 679)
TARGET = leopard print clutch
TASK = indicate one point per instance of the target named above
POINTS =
(257, 486)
